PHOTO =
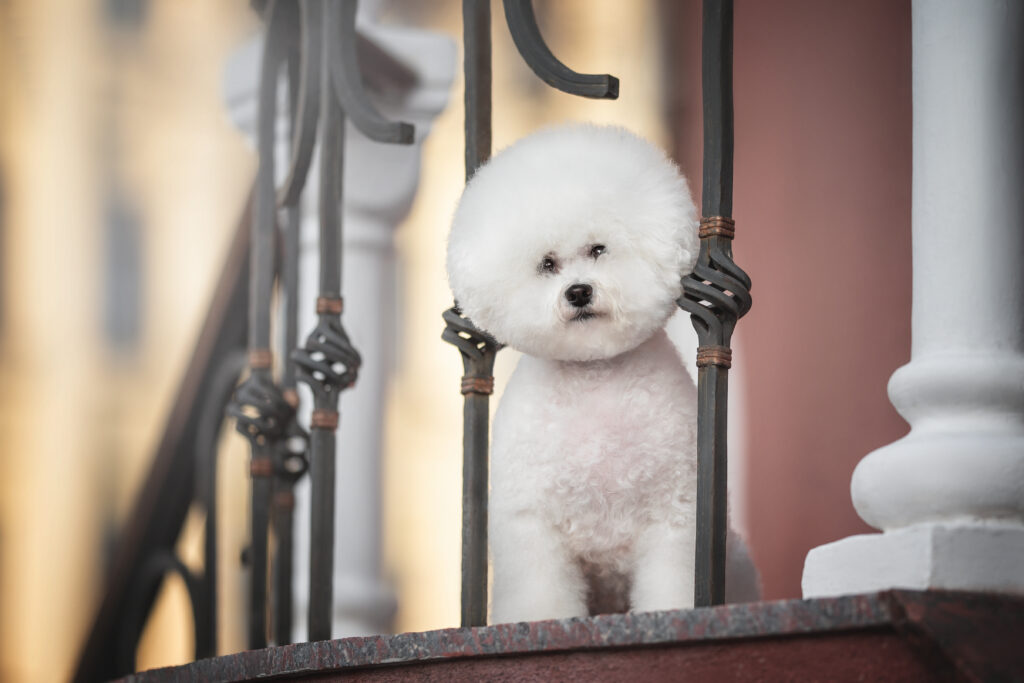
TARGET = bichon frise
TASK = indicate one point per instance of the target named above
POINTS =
(570, 246)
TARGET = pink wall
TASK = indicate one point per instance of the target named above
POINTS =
(822, 205)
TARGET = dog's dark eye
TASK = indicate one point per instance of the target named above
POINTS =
(547, 265)
(596, 250)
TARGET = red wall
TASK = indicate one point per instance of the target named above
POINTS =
(822, 206)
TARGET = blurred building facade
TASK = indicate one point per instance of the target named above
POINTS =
(122, 179)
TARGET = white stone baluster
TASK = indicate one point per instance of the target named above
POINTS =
(949, 497)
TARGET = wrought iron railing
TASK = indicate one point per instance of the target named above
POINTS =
(327, 89)
(314, 45)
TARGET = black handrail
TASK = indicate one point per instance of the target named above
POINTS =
(159, 510)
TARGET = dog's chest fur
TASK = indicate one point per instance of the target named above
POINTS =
(601, 449)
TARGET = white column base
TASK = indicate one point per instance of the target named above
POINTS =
(969, 556)
(363, 606)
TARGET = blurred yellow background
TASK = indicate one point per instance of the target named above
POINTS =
(121, 180)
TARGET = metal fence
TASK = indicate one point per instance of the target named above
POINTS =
(313, 47)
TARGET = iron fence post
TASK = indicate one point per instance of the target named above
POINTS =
(716, 295)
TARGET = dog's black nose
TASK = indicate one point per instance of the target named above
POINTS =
(579, 295)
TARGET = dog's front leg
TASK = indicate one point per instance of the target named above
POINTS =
(663, 575)
(535, 576)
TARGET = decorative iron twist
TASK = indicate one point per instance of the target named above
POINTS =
(717, 293)
(474, 344)
(291, 457)
(260, 409)
(329, 362)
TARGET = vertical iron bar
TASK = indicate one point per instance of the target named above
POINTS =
(284, 479)
(476, 30)
(328, 363)
(321, 594)
(709, 574)
(260, 359)
(716, 84)
(477, 36)
(259, 515)
(321, 597)
(714, 355)
(285, 473)
(260, 410)
(207, 437)
(284, 505)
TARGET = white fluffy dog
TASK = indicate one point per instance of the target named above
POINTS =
(570, 246)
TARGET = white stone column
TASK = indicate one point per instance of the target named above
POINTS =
(949, 497)
(380, 182)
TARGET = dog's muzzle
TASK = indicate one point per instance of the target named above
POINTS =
(579, 295)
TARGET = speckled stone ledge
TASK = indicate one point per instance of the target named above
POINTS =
(941, 620)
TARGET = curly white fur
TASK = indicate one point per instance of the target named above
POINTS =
(594, 443)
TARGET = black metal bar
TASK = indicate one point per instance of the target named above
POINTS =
(259, 516)
(259, 406)
(283, 524)
(716, 84)
(305, 96)
(160, 508)
(477, 349)
(476, 34)
(522, 24)
(343, 66)
(207, 438)
(328, 362)
(478, 353)
(716, 295)
(291, 459)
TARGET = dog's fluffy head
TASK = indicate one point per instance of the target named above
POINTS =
(571, 243)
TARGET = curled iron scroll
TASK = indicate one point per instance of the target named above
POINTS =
(307, 103)
(340, 57)
(342, 61)
(522, 24)
(152, 574)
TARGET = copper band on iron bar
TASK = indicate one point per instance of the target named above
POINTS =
(484, 386)
(291, 397)
(717, 225)
(284, 500)
(260, 359)
(324, 419)
(261, 467)
(326, 305)
(714, 355)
